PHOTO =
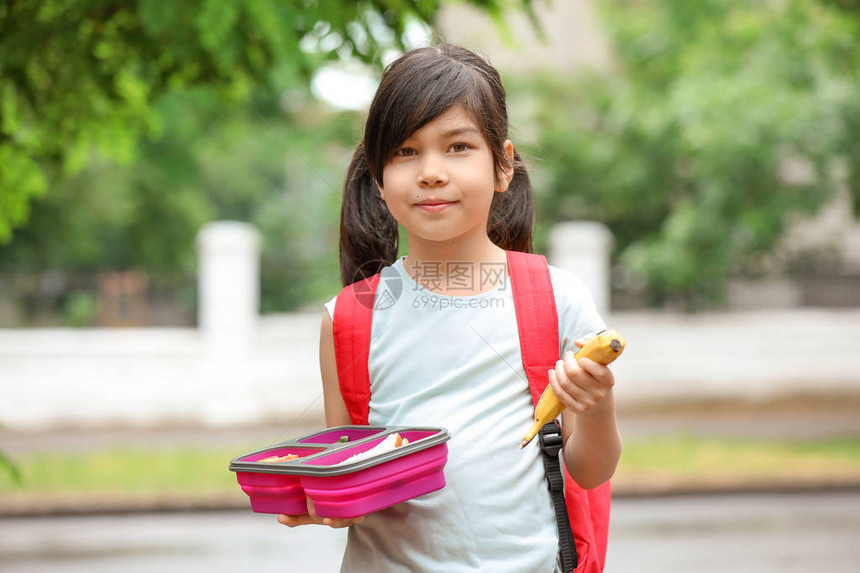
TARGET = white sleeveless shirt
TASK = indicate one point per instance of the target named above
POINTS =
(455, 362)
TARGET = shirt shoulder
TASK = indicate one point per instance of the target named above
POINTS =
(329, 306)
(577, 313)
(391, 279)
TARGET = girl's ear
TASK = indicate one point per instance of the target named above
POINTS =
(381, 190)
(506, 172)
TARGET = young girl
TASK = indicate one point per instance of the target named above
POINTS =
(436, 159)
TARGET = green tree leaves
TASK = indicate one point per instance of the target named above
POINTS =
(79, 77)
(721, 122)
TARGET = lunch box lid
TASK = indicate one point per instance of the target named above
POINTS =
(301, 467)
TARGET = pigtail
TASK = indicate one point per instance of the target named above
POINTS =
(368, 232)
(512, 213)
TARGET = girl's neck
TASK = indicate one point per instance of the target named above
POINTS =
(450, 258)
(475, 251)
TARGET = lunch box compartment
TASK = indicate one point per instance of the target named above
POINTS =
(349, 489)
(378, 486)
(331, 436)
(341, 454)
(280, 450)
(272, 492)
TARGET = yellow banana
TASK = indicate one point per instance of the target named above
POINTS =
(603, 348)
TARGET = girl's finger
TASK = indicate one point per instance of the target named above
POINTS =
(571, 368)
(584, 390)
(341, 523)
(296, 520)
(585, 398)
(317, 519)
(583, 340)
(588, 379)
(565, 390)
(600, 372)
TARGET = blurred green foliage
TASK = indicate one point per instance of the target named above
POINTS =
(80, 309)
(127, 126)
(124, 127)
(11, 470)
(83, 75)
(214, 160)
(720, 122)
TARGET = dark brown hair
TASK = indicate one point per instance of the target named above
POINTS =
(415, 89)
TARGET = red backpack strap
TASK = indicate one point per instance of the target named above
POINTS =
(351, 323)
(537, 318)
(537, 322)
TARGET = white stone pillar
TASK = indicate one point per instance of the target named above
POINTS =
(583, 247)
(228, 284)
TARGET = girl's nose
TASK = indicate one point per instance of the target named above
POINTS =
(432, 174)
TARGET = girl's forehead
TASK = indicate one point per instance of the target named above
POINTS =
(454, 119)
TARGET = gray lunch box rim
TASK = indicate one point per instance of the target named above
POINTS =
(299, 466)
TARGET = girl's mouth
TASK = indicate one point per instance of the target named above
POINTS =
(435, 206)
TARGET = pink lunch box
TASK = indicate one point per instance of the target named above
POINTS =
(344, 490)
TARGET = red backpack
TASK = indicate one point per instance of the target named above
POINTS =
(537, 323)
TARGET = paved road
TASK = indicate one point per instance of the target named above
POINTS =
(738, 533)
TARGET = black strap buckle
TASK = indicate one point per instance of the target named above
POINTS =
(550, 438)
(551, 442)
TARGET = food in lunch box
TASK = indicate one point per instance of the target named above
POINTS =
(343, 439)
(277, 459)
(388, 444)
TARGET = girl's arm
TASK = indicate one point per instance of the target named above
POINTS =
(592, 449)
(336, 414)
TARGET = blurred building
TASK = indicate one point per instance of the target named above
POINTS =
(570, 36)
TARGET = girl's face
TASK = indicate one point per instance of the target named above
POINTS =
(440, 182)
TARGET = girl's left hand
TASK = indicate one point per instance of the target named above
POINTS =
(581, 388)
(311, 517)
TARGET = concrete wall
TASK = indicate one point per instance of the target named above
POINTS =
(747, 355)
(140, 377)
(239, 368)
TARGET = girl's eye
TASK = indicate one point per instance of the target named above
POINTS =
(405, 152)
(459, 147)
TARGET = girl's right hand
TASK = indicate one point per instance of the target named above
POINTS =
(311, 517)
